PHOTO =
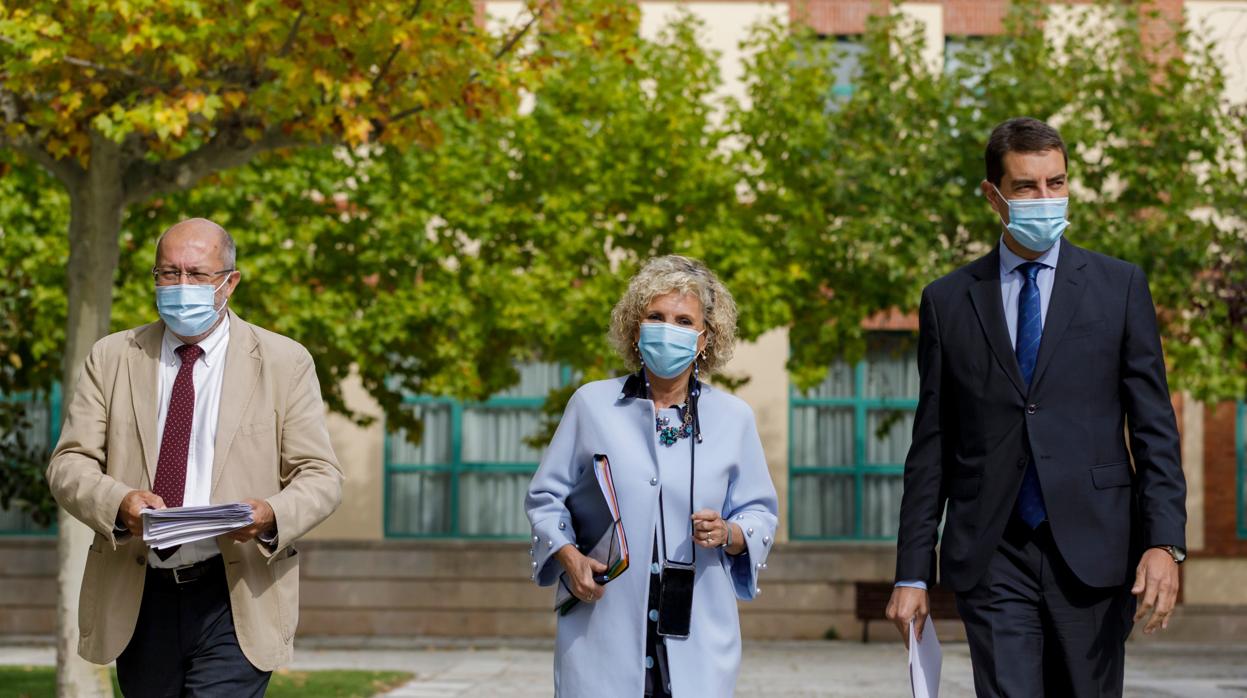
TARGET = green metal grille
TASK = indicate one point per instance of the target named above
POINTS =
(16, 522)
(447, 476)
(871, 484)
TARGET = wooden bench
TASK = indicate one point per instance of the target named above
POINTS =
(872, 604)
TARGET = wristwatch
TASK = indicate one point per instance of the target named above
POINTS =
(1178, 554)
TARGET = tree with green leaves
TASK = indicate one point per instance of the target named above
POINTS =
(866, 198)
(436, 270)
(124, 101)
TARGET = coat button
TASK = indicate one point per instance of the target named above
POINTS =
(1022, 462)
(1032, 408)
(749, 532)
(562, 525)
(139, 560)
(536, 539)
(653, 481)
(766, 540)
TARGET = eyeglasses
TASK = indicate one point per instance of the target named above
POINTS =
(169, 277)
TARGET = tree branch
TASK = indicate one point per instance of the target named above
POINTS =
(515, 38)
(229, 149)
(294, 31)
(67, 171)
(404, 114)
(91, 65)
(506, 48)
(385, 67)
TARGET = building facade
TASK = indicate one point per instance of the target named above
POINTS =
(432, 539)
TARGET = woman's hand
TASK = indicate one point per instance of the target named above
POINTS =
(711, 531)
(580, 572)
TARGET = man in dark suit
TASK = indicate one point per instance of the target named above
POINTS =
(1036, 362)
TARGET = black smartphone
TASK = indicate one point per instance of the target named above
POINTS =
(675, 599)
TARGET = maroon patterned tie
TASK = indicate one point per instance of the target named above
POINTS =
(175, 443)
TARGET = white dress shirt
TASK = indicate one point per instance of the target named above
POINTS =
(1011, 281)
(208, 378)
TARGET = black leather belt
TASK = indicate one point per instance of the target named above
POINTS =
(188, 574)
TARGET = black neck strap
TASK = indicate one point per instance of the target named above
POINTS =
(694, 392)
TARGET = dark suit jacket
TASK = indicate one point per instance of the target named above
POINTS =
(1100, 371)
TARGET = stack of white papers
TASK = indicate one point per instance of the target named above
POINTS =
(925, 658)
(164, 528)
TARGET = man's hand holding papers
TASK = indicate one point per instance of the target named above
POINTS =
(925, 659)
(264, 524)
(164, 528)
(130, 514)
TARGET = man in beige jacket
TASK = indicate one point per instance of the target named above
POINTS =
(198, 408)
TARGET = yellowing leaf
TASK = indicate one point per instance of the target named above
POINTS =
(40, 55)
(129, 43)
(323, 78)
(357, 130)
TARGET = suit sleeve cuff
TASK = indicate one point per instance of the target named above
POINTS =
(913, 584)
(269, 539)
(746, 567)
(121, 534)
(272, 543)
(549, 536)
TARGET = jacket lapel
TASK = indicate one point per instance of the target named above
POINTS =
(1067, 290)
(143, 368)
(642, 410)
(985, 296)
(242, 374)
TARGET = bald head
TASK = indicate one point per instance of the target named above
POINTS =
(196, 244)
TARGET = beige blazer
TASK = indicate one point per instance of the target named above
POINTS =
(271, 444)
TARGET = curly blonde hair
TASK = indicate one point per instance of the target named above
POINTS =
(663, 275)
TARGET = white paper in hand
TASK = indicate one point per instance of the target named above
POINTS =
(163, 528)
(925, 658)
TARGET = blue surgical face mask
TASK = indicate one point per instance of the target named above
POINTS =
(189, 309)
(1036, 223)
(667, 349)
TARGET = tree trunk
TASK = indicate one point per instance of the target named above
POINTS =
(96, 204)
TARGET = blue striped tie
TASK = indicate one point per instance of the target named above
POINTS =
(1030, 506)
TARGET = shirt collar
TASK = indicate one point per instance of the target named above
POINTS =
(634, 387)
(211, 345)
(1010, 261)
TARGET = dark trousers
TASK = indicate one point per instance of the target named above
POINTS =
(1036, 630)
(184, 643)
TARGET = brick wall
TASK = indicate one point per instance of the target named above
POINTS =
(833, 17)
(481, 589)
(1221, 484)
(27, 586)
(974, 17)
(961, 17)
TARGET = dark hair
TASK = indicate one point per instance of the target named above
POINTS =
(1019, 135)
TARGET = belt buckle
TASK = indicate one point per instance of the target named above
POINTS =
(177, 574)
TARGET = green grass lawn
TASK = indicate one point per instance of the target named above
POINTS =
(37, 682)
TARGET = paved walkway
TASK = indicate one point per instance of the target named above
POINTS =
(771, 669)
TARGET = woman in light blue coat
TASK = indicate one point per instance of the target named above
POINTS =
(662, 430)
